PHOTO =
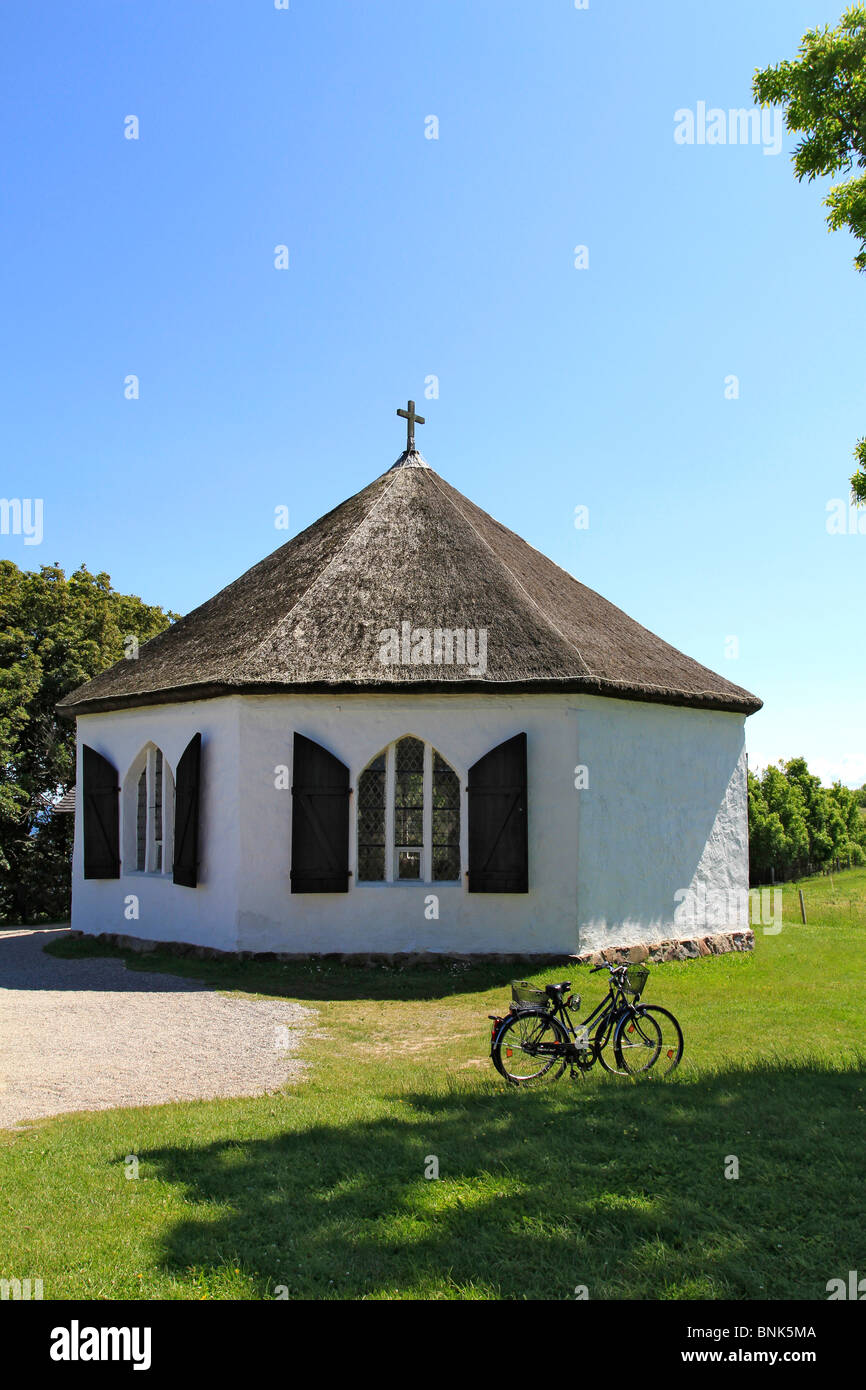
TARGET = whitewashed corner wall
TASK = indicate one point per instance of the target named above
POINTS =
(202, 916)
(664, 811)
(663, 823)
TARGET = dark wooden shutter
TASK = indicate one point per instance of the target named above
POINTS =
(498, 841)
(320, 820)
(99, 802)
(186, 799)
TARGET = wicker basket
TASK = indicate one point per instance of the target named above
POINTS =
(634, 980)
(522, 992)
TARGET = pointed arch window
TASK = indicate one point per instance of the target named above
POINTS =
(409, 809)
(408, 816)
(371, 821)
(141, 823)
(151, 804)
(445, 825)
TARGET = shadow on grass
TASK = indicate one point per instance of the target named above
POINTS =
(323, 979)
(616, 1185)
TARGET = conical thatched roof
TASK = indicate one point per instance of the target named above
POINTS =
(408, 549)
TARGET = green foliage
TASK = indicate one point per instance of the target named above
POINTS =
(55, 633)
(824, 96)
(795, 821)
(823, 93)
(858, 479)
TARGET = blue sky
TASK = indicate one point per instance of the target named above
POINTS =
(412, 257)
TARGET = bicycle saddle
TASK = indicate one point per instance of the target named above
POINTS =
(558, 989)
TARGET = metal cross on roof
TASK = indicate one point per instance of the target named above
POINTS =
(411, 421)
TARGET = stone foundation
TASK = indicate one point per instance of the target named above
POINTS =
(715, 945)
(690, 949)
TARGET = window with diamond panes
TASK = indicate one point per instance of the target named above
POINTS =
(152, 813)
(371, 821)
(446, 821)
(157, 812)
(141, 824)
(408, 796)
(409, 809)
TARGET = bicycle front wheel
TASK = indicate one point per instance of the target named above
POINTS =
(604, 1046)
(637, 1042)
(672, 1037)
(530, 1047)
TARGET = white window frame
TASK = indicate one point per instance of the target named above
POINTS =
(146, 763)
(391, 849)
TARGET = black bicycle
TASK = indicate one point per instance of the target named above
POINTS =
(539, 1038)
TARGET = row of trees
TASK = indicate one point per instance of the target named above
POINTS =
(796, 824)
(55, 633)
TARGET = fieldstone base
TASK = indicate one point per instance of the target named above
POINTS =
(400, 959)
(614, 955)
(716, 945)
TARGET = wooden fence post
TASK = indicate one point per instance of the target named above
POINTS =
(802, 907)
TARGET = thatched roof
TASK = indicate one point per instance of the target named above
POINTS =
(407, 549)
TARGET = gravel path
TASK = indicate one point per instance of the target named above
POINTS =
(91, 1035)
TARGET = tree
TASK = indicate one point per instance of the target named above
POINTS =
(845, 805)
(795, 821)
(778, 832)
(55, 633)
(823, 93)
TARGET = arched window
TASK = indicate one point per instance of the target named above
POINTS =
(149, 814)
(408, 816)
(371, 822)
(409, 809)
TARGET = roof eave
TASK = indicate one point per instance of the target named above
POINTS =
(745, 704)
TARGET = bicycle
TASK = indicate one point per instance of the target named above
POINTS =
(539, 1036)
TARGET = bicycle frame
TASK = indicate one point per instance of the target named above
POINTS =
(605, 1015)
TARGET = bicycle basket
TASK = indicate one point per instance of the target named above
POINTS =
(634, 980)
(522, 992)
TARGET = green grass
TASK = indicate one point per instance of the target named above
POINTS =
(613, 1184)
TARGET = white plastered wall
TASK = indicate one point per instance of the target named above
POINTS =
(206, 915)
(391, 916)
(664, 811)
(663, 823)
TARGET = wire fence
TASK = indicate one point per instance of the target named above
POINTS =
(803, 868)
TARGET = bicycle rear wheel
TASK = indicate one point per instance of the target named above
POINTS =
(637, 1042)
(530, 1047)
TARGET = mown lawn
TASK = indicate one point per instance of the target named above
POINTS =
(611, 1184)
